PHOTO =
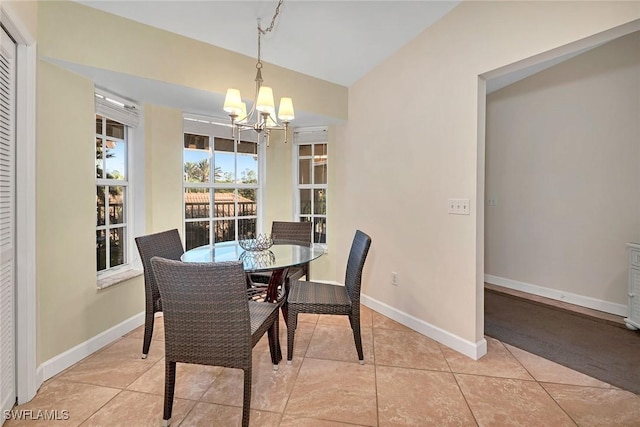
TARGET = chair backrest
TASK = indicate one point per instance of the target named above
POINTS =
(166, 244)
(291, 231)
(355, 264)
(206, 312)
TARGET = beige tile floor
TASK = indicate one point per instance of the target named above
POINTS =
(408, 380)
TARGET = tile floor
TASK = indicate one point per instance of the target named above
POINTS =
(408, 380)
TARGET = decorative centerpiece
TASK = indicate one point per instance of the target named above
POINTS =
(260, 242)
(254, 260)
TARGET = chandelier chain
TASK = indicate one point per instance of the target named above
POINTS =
(273, 20)
(267, 30)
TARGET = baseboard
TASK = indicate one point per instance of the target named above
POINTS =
(473, 350)
(558, 295)
(59, 363)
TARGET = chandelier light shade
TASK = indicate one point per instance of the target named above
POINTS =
(264, 104)
(233, 102)
(285, 112)
(262, 117)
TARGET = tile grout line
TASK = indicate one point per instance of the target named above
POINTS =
(455, 378)
(304, 356)
(539, 384)
(375, 368)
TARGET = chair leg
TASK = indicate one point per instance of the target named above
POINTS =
(285, 313)
(274, 343)
(355, 326)
(148, 332)
(169, 388)
(291, 332)
(246, 403)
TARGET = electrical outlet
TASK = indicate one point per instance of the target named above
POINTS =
(459, 206)
(492, 202)
(394, 278)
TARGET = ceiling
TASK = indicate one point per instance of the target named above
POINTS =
(337, 41)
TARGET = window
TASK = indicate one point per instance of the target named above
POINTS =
(112, 193)
(114, 225)
(312, 179)
(221, 184)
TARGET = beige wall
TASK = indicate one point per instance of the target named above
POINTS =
(279, 195)
(26, 12)
(411, 143)
(563, 149)
(163, 168)
(71, 310)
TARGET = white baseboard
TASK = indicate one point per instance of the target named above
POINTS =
(59, 363)
(558, 295)
(473, 350)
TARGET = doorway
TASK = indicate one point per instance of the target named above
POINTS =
(562, 180)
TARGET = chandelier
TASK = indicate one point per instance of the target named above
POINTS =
(262, 116)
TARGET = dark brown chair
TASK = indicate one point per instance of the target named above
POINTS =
(208, 320)
(323, 298)
(166, 244)
(286, 232)
(293, 232)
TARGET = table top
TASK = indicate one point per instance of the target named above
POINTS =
(280, 255)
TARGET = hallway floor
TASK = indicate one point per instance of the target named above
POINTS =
(407, 380)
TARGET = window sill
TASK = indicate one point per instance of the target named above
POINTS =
(114, 279)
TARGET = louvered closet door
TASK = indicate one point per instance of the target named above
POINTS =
(7, 222)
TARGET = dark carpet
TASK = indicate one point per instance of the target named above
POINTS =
(601, 350)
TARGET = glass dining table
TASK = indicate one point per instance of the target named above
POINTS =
(277, 259)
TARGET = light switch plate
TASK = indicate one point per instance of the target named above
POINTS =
(459, 206)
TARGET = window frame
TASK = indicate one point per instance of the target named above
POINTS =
(108, 182)
(310, 136)
(217, 128)
(131, 116)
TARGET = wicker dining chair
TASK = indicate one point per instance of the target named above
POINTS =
(166, 244)
(286, 232)
(297, 232)
(323, 298)
(208, 320)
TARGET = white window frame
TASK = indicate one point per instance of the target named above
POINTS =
(220, 128)
(131, 115)
(309, 136)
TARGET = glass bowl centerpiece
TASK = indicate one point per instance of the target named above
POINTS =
(256, 243)
(258, 259)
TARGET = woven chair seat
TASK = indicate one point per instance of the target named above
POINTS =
(319, 298)
(260, 313)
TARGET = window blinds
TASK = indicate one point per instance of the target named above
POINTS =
(310, 134)
(116, 108)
